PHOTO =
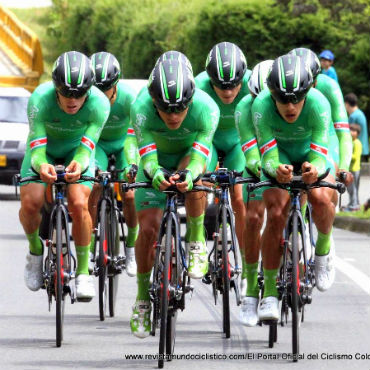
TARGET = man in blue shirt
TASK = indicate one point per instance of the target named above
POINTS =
(356, 115)
(326, 61)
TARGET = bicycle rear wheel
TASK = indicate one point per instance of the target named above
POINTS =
(103, 258)
(164, 292)
(114, 249)
(225, 276)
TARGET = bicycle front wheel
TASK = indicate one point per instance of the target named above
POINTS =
(164, 292)
(103, 258)
(295, 288)
(58, 279)
(225, 276)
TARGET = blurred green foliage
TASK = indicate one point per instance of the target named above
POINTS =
(137, 32)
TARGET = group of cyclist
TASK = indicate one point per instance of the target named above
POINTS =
(282, 116)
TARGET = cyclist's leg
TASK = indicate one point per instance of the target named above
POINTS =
(195, 204)
(277, 203)
(235, 160)
(129, 212)
(101, 162)
(32, 200)
(323, 213)
(149, 204)
(255, 210)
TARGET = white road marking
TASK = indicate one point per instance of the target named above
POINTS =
(361, 279)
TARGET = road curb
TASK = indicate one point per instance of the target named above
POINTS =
(352, 224)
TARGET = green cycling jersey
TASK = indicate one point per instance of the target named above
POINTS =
(247, 133)
(55, 133)
(331, 90)
(306, 139)
(155, 140)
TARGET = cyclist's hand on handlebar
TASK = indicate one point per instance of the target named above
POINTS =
(345, 176)
(73, 171)
(182, 184)
(309, 173)
(159, 182)
(47, 173)
(129, 173)
(284, 173)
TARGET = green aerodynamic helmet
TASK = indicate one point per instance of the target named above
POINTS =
(107, 70)
(290, 79)
(310, 58)
(258, 78)
(73, 74)
(171, 85)
(226, 65)
(174, 54)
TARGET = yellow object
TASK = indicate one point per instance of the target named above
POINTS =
(22, 47)
(2, 160)
(356, 156)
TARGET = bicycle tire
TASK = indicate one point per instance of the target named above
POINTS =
(102, 259)
(164, 292)
(113, 249)
(175, 281)
(58, 280)
(272, 334)
(225, 276)
(295, 288)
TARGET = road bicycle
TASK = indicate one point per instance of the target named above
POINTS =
(297, 272)
(59, 264)
(109, 231)
(170, 278)
(224, 268)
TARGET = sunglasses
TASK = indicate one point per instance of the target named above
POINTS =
(174, 109)
(69, 94)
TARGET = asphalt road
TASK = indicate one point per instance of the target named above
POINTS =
(337, 323)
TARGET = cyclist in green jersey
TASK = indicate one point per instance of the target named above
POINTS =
(225, 80)
(117, 138)
(174, 125)
(339, 134)
(292, 124)
(66, 117)
(254, 207)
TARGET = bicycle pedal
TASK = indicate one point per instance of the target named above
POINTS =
(84, 300)
(207, 279)
(189, 288)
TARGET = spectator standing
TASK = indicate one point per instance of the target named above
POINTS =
(356, 115)
(354, 201)
(326, 61)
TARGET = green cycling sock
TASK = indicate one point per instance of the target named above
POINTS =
(270, 289)
(92, 243)
(132, 233)
(303, 211)
(323, 243)
(143, 280)
(196, 228)
(252, 279)
(35, 243)
(82, 260)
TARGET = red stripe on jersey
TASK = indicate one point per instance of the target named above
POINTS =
(319, 149)
(341, 125)
(131, 132)
(38, 142)
(249, 144)
(268, 146)
(147, 149)
(88, 143)
(201, 148)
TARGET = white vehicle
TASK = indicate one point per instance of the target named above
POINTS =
(13, 131)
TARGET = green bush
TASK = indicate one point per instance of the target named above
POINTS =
(138, 32)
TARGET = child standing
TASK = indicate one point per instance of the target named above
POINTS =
(354, 204)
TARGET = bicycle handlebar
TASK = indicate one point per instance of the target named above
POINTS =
(298, 184)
